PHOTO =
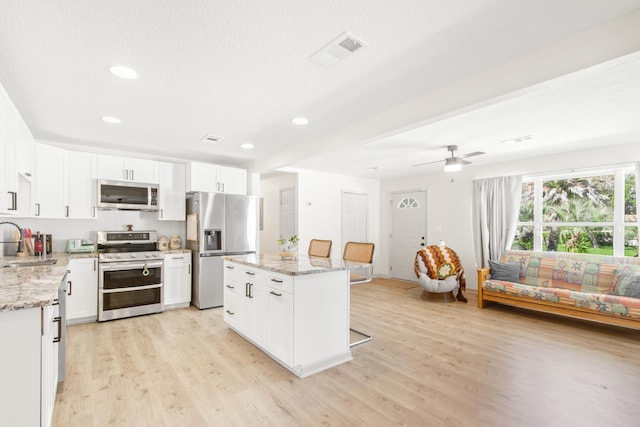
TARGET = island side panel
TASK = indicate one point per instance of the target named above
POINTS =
(321, 317)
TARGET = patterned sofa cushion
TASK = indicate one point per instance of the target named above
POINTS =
(602, 302)
(573, 272)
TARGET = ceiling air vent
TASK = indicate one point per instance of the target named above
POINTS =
(338, 49)
(211, 139)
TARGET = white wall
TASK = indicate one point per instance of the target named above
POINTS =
(319, 208)
(449, 196)
(270, 187)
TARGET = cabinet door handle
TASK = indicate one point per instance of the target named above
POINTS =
(94, 211)
(58, 319)
(70, 288)
(276, 280)
(189, 268)
(275, 293)
(125, 172)
(37, 209)
(14, 201)
(230, 312)
(132, 178)
(94, 264)
(66, 211)
(222, 186)
(161, 213)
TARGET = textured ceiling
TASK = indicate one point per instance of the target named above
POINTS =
(241, 70)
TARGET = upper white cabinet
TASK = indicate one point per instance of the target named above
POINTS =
(80, 185)
(16, 159)
(127, 169)
(171, 198)
(216, 179)
(50, 184)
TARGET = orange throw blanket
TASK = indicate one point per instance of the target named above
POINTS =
(442, 262)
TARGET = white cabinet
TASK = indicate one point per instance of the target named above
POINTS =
(177, 280)
(50, 184)
(49, 363)
(171, 197)
(216, 179)
(127, 169)
(82, 290)
(28, 365)
(16, 159)
(65, 185)
(301, 321)
(80, 186)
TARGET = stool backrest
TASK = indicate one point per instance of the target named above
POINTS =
(358, 251)
(319, 248)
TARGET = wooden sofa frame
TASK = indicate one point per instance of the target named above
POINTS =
(486, 298)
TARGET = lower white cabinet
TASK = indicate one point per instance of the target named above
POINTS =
(301, 321)
(28, 366)
(177, 280)
(82, 291)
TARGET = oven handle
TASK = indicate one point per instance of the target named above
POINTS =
(111, 266)
(130, 289)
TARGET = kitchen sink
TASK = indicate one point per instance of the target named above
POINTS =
(49, 261)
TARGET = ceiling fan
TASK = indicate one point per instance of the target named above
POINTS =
(453, 163)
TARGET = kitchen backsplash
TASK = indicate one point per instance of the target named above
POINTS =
(65, 229)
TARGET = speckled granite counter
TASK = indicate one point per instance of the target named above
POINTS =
(36, 286)
(177, 251)
(301, 264)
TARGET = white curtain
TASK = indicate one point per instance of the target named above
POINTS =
(496, 208)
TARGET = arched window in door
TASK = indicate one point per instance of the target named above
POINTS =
(408, 203)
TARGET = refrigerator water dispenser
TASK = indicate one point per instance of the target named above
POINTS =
(212, 240)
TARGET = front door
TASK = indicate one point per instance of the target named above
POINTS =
(408, 232)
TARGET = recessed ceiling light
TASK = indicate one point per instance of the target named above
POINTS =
(124, 72)
(300, 121)
(111, 119)
(247, 146)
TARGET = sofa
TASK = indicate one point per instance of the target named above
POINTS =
(592, 287)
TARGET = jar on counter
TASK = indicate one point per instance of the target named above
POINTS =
(163, 243)
(176, 242)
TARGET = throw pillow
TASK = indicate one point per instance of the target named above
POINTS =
(627, 284)
(507, 271)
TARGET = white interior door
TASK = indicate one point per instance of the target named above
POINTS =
(408, 232)
(288, 213)
(354, 218)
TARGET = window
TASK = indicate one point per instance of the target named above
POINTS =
(585, 212)
(408, 202)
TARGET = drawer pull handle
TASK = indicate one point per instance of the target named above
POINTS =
(230, 312)
(250, 273)
(230, 267)
(276, 294)
(276, 280)
(231, 287)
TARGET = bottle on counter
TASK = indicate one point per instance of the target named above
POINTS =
(38, 245)
(48, 243)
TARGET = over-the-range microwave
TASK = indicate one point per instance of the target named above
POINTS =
(126, 195)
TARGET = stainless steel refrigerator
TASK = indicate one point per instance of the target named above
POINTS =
(218, 224)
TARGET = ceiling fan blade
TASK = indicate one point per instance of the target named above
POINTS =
(475, 153)
(427, 163)
(465, 162)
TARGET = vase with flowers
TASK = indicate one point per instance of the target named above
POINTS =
(288, 248)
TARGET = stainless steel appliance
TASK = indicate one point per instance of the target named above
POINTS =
(218, 224)
(127, 195)
(130, 281)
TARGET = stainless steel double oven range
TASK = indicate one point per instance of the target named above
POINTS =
(130, 274)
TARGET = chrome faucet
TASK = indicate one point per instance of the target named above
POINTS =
(19, 233)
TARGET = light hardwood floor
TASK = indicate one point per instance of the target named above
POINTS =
(429, 364)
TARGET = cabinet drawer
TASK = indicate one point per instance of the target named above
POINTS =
(281, 282)
(230, 314)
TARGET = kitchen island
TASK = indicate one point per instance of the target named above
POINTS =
(296, 309)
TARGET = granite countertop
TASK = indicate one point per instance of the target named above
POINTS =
(177, 251)
(293, 266)
(32, 286)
